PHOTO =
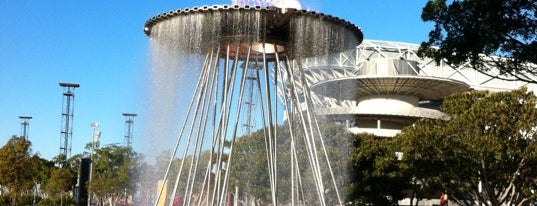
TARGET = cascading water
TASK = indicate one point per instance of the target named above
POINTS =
(201, 62)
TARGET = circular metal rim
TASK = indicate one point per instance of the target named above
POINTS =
(167, 15)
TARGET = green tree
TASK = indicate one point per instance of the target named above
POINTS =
(484, 153)
(338, 142)
(376, 175)
(147, 183)
(44, 168)
(115, 170)
(250, 165)
(61, 181)
(420, 160)
(466, 29)
(16, 167)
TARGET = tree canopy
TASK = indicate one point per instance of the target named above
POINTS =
(372, 161)
(61, 181)
(485, 153)
(16, 167)
(115, 170)
(466, 30)
(359, 163)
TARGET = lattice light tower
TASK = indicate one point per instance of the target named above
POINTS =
(67, 118)
(24, 126)
(129, 121)
(250, 97)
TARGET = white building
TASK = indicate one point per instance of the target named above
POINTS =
(382, 86)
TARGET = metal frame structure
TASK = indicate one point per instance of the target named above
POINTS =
(129, 121)
(277, 40)
(350, 63)
(67, 118)
(25, 126)
(385, 71)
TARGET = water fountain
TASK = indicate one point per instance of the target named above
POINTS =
(210, 53)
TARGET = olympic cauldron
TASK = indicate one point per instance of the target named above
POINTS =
(290, 31)
(235, 44)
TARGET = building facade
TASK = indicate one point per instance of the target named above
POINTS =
(381, 87)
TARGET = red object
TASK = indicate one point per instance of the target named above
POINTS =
(443, 199)
(177, 201)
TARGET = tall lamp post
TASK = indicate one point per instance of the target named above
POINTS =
(96, 135)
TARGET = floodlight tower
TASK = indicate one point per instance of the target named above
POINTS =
(24, 126)
(250, 100)
(67, 118)
(129, 120)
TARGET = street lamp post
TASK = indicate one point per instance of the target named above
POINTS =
(96, 135)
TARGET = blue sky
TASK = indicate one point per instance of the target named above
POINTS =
(101, 46)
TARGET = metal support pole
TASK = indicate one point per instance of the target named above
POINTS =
(94, 140)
